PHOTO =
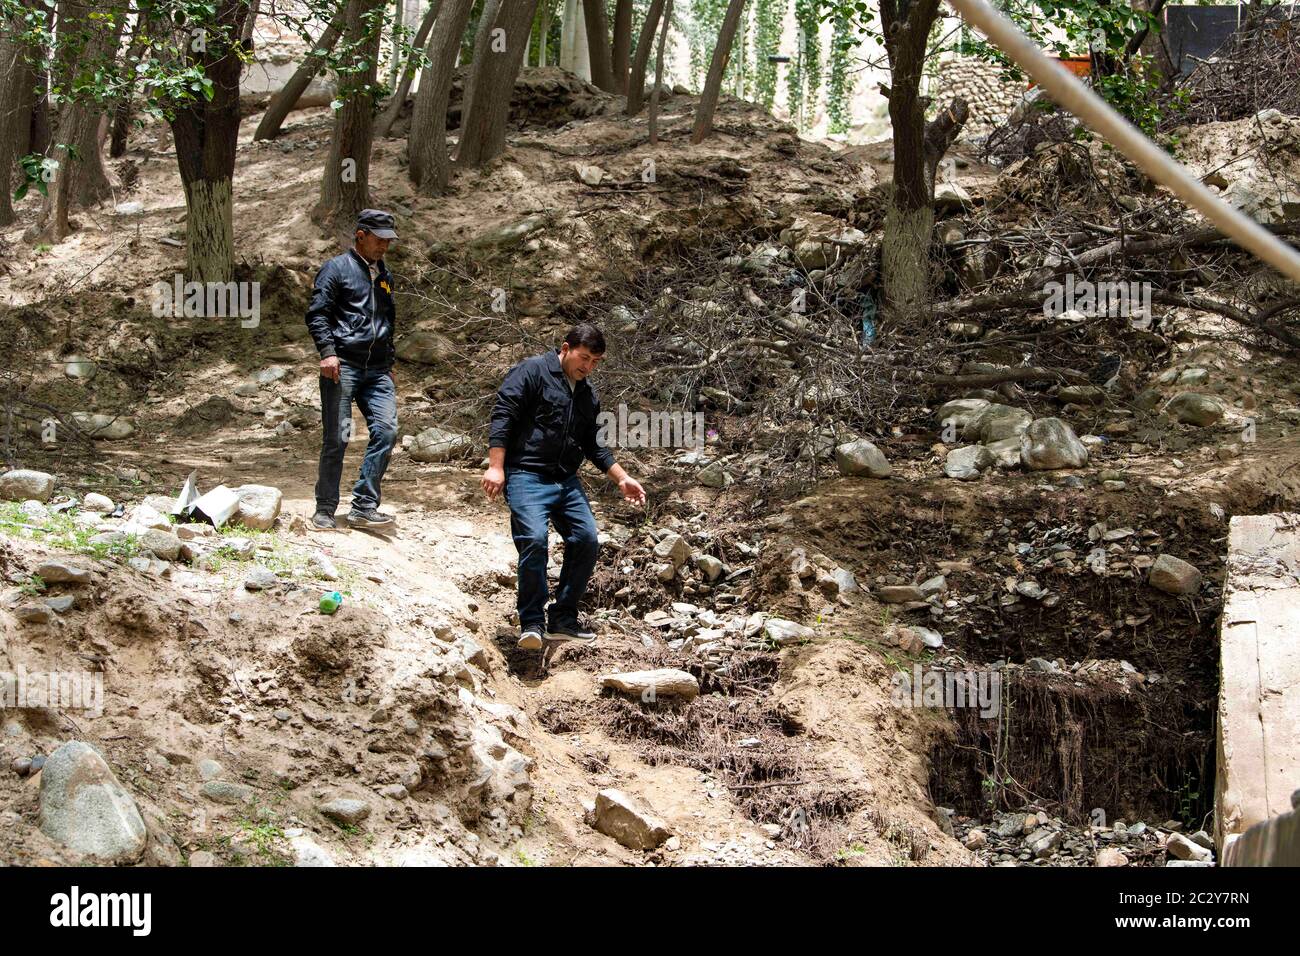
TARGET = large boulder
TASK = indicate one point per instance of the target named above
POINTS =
(103, 427)
(650, 685)
(424, 347)
(1193, 409)
(967, 462)
(861, 457)
(85, 808)
(259, 506)
(615, 815)
(995, 423)
(960, 412)
(24, 484)
(1050, 443)
(436, 444)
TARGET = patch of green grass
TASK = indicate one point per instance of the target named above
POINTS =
(60, 531)
(523, 859)
(849, 852)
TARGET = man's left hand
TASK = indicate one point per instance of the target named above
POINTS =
(632, 490)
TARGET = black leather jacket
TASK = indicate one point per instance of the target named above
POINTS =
(351, 317)
(542, 425)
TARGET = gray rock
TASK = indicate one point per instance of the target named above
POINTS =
(899, 594)
(209, 769)
(95, 502)
(673, 548)
(1174, 575)
(615, 815)
(79, 367)
(709, 566)
(437, 444)
(651, 685)
(34, 613)
(259, 506)
(1050, 443)
(103, 427)
(1193, 409)
(780, 631)
(345, 811)
(164, 545)
(308, 853)
(959, 413)
(425, 347)
(272, 373)
(1081, 394)
(966, 463)
(84, 807)
(713, 475)
(995, 423)
(1181, 848)
(1006, 452)
(223, 791)
(61, 604)
(861, 457)
(260, 579)
(60, 572)
(24, 484)
(324, 567)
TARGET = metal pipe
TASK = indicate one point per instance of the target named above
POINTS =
(1069, 93)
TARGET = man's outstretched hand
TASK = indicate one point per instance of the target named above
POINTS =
(493, 480)
(632, 490)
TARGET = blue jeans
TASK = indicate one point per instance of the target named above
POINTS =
(376, 396)
(534, 499)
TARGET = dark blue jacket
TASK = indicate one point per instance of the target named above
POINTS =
(350, 316)
(542, 425)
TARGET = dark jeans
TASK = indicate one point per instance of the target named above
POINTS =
(535, 499)
(376, 396)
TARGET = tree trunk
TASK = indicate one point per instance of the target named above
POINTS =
(283, 102)
(483, 126)
(482, 41)
(659, 74)
(206, 132)
(602, 72)
(544, 29)
(394, 61)
(427, 141)
(909, 218)
(568, 35)
(122, 109)
(622, 43)
(398, 99)
(644, 44)
(80, 175)
(718, 66)
(345, 187)
(15, 124)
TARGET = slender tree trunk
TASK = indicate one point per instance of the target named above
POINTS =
(254, 8)
(482, 40)
(644, 45)
(659, 74)
(282, 103)
(394, 60)
(80, 175)
(122, 109)
(427, 142)
(398, 99)
(568, 35)
(206, 132)
(15, 122)
(544, 30)
(713, 83)
(345, 187)
(483, 128)
(602, 72)
(622, 44)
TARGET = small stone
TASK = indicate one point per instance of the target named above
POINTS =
(1174, 575)
(260, 579)
(345, 811)
(615, 815)
(1181, 848)
(1111, 857)
(650, 685)
(100, 504)
(24, 484)
(861, 457)
(221, 791)
(975, 840)
(60, 572)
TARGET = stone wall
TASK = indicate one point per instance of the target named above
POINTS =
(990, 97)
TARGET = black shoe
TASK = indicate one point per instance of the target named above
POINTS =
(570, 631)
(323, 521)
(370, 518)
(530, 638)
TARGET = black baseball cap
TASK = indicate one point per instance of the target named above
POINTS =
(378, 222)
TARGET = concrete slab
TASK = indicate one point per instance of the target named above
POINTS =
(1259, 694)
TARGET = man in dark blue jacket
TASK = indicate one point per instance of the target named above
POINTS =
(351, 320)
(543, 427)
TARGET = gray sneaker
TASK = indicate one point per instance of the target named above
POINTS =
(570, 631)
(370, 518)
(530, 639)
(323, 521)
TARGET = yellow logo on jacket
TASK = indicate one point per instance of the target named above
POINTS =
(383, 284)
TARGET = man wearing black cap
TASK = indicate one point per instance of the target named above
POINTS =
(351, 321)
